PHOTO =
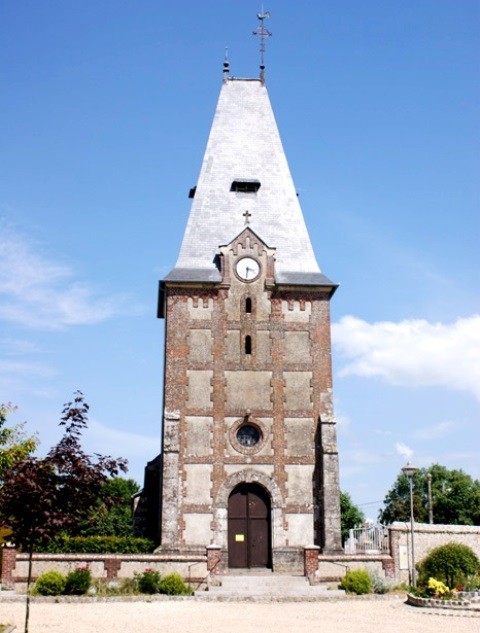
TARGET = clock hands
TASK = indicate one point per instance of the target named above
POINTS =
(247, 269)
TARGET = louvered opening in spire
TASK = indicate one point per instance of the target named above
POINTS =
(245, 185)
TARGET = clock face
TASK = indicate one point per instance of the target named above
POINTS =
(248, 268)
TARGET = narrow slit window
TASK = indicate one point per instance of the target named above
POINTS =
(248, 305)
(248, 345)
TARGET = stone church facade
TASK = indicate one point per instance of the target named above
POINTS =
(249, 453)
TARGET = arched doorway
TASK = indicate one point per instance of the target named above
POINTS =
(249, 527)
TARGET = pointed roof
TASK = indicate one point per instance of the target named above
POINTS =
(244, 147)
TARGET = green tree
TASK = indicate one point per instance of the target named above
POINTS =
(112, 514)
(41, 497)
(15, 443)
(350, 515)
(455, 498)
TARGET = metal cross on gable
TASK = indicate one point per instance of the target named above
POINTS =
(247, 215)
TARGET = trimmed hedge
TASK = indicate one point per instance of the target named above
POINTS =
(98, 545)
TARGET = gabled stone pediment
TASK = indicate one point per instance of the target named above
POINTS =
(247, 244)
(247, 240)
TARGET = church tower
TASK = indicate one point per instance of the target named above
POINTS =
(249, 451)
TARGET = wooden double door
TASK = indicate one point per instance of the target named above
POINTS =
(249, 527)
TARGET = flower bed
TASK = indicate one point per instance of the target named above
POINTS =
(417, 601)
(469, 595)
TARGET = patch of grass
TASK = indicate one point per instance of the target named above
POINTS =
(123, 587)
(402, 587)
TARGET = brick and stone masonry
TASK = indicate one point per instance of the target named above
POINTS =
(248, 400)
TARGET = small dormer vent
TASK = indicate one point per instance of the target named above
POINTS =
(244, 185)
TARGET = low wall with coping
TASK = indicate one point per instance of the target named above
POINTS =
(395, 565)
(426, 538)
(111, 567)
(333, 568)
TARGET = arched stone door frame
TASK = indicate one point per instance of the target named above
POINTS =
(220, 506)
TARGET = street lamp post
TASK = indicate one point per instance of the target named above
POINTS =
(409, 470)
(429, 496)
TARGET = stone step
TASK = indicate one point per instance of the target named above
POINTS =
(267, 585)
(263, 582)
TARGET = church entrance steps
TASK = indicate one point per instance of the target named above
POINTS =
(266, 586)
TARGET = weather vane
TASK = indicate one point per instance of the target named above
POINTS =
(262, 33)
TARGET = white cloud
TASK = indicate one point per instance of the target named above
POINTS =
(38, 293)
(19, 378)
(20, 368)
(405, 451)
(138, 449)
(12, 347)
(412, 352)
(435, 431)
(363, 456)
(101, 439)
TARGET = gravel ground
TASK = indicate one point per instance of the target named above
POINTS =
(389, 615)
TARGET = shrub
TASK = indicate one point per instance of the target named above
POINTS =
(78, 581)
(173, 585)
(357, 581)
(451, 563)
(51, 583)
(149, 581)
(379, 584)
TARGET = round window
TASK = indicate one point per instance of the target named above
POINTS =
(248, 435)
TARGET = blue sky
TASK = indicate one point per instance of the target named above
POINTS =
(105, 110)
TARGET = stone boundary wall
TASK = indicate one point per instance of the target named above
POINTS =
(395, 565)
(333, 568)
(111, 567)
(427, 537)
(195, 567)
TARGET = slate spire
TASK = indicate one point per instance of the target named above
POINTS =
(245, 171)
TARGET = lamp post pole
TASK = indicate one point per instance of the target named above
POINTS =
(430, 500)
(409, 471)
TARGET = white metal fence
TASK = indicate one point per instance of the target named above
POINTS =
(368, 540)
